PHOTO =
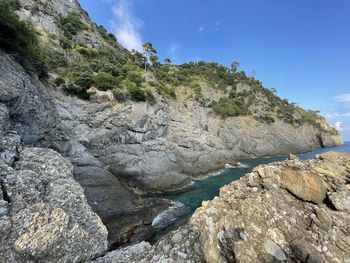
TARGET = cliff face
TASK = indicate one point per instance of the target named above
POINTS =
(157, 148)
(118, 147)
(290, 211)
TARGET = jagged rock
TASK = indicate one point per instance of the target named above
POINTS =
(341, 199)
(292, 157)
(30, 106)
(264, 222)
(47, 217)
(4, 118)
(120, 147)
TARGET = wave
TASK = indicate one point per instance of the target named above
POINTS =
(236, 165)
(169, 216)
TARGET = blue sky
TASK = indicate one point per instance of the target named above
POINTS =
(301, 48)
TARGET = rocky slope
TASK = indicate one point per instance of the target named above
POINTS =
(290, 211)
(44, 215)
(121, 150)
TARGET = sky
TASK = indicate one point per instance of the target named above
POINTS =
(299, 47)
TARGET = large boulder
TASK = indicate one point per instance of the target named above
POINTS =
(44, 214)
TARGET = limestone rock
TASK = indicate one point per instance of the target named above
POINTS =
(270, 224)
(30, 106)
(341, 199)
(4, 118)
(308, 187)
(47, 218)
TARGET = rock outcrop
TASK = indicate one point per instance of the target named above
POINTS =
(44, 215)
(290, 211)
(159, 148)
(30, 115)
(120, 151)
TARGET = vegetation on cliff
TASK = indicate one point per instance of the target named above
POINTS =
(105, 65)
(19, 38)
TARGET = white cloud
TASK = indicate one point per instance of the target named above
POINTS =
(212, 26)
(337, 115)
(338, 126)
(126, 26)
(343, 98)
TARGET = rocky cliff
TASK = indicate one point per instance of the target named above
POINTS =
(290, 211)
(118, 150)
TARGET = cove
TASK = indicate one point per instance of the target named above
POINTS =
(208, 188)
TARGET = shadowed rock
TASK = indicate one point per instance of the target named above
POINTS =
(263, 217)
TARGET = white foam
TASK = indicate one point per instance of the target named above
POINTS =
(242, 165)
(168, 216)
(237, 165)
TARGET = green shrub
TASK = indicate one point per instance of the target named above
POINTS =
(83, 79)
(164, 89)
(150, 97)
(77, 91)
(134, 76)
(104, 81)
(103, 65)
(85, 51)
(20, 37)
(109, 37)
(135, 92)
(71, 24)
(55, 59)
(59, 81)
(196, 88)
(267, 119)
(65, 43)
(120, 94)
(228, 107)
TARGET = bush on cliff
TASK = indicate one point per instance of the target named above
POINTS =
(19, 37)
(71, 24)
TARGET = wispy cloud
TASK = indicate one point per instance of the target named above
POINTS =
(338, 126)
(212, 26)
(337, 115)
(343, 98)
(126, 26)
(342, 127)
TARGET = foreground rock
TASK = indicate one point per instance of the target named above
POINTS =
(289, 211)
(44, 215)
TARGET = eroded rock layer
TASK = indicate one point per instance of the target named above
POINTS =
(290, 211)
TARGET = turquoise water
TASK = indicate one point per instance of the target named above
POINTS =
(208, 188)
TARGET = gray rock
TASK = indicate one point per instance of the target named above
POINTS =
(341, 199)
(30, 106)
(50, 218)
(274, 250)
(317, 233)
(4, 118)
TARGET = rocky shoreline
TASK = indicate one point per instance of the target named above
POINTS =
(119, 151)
(290, 211)
(78, 177)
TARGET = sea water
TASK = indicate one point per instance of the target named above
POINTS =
(208, 188)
